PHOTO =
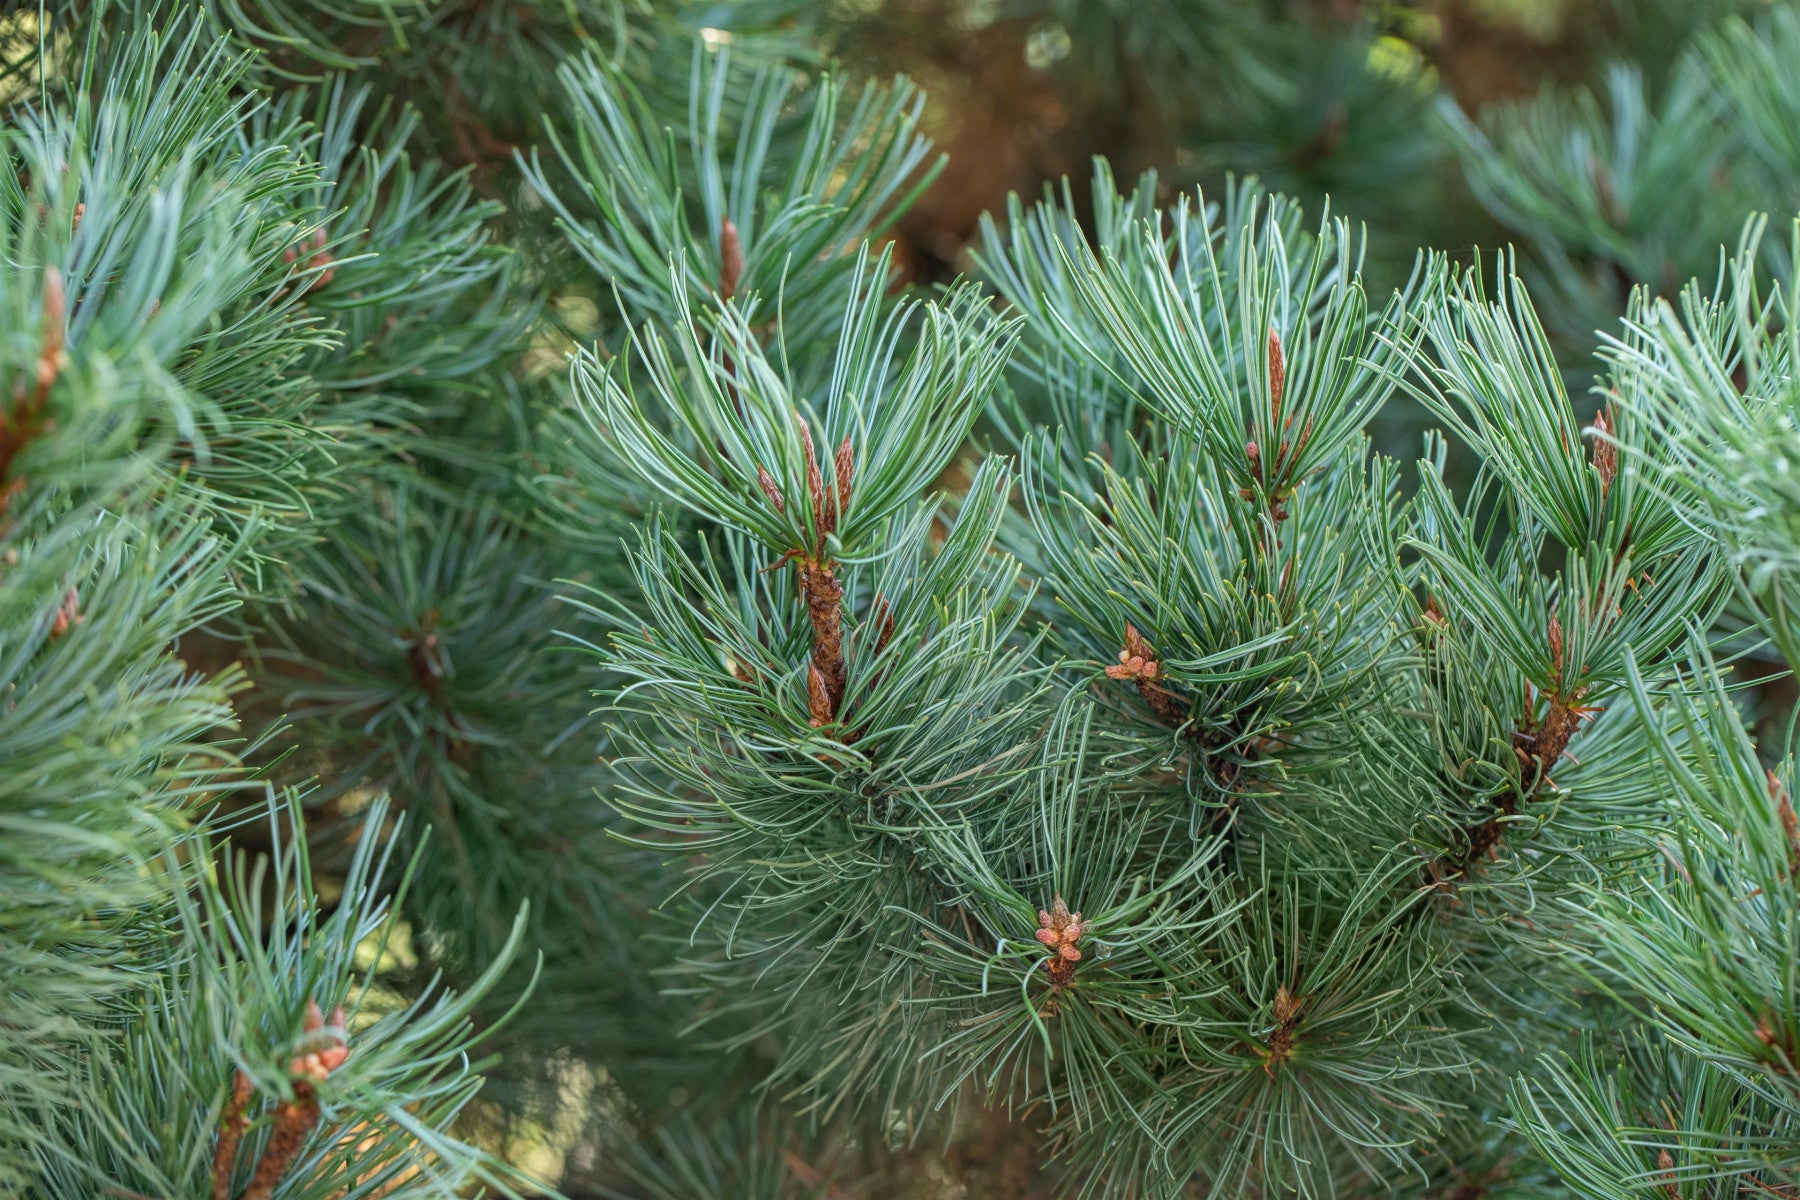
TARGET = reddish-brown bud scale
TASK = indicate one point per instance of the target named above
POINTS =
(1606, 454)
(318, 258)
(1665, 1165)
(820, 708)
(844, 463)
(293, 1121)
(884, 623)
(56, 312)
(68, 614)
(824, 597)
(1790, 823)
(1539, 748)
(1277, 377)
(28, 420)
(815, 481)
(766, 482)
(731, 260)
(231, 1131)
(1285, 1009)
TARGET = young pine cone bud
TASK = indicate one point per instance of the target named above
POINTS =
(1137, 660)
(320, 1051)
(1060, 931)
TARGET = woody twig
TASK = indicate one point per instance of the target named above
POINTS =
(827, 672)
(321, 1050)
(31, 394)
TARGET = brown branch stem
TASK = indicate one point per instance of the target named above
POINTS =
(1539, 749)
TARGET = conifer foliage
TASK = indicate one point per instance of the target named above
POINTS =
(536, 662)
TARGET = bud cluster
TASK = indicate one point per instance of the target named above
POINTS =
(1060, 930)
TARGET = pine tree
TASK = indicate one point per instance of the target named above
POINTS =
(167, 437)
(535, 658)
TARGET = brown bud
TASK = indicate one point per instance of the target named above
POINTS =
(845, 465)
(1277, 375)
(1285, 1009)
(818, 698)
(314, 1019)
(1556, 647)
(1306, 432)
(50, 356)
(1605, 454)
(427, 660)
(815, 482)
(68, 613)
(766, 482)
(319, 259)
(884, 623)
(1790, 824)
(731, 260)
(1665, 1163)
